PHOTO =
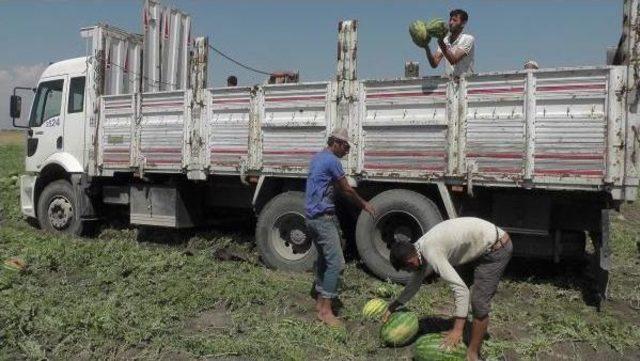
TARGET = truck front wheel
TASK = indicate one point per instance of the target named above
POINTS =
(58, 209)
(281, 235)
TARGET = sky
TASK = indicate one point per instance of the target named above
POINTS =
(276, 35)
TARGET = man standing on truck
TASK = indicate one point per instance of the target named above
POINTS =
(452, 243)
(457, 48)
(325, 174)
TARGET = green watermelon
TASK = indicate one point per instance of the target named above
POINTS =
(418, 32)
(437, 28)
(428, 349)
(400, 329)
(384, 291)
(374, 309)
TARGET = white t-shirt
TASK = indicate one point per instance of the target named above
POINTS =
(449, 244)
(466, 64)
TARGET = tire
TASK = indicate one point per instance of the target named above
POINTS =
(58, 210)
(401, 214)
(279, 222)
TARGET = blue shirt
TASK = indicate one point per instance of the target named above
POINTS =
(325, 169)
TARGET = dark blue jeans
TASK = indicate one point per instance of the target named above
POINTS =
(325, 234)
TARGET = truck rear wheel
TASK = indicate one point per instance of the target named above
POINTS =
(401, 215)
(281, 235)
(58, 210)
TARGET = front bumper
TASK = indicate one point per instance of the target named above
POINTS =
(27, 194)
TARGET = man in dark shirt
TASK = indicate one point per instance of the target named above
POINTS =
(325, 174)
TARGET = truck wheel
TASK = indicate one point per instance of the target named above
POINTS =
(281, 234)
(58, 209)
(401, 215)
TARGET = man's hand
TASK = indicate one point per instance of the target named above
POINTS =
(451, 339)
(426, 42)
(369, 208)
(386, 315)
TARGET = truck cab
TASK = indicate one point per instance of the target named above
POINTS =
(57, 117)
(56, 148)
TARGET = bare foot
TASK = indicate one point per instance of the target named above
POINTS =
(329, 319)
(472, 356)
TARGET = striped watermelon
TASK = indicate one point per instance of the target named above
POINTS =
(384, 291)
(374, 309)
(428, 349)
(418, 32)
(400, 329)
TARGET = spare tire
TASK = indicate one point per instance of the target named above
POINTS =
(400, 215)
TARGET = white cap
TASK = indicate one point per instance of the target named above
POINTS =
(341, 134)
(531, 64)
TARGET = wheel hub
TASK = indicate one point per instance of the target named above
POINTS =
(297, 237)
(60, 213)
(395, 226)
(289, 238)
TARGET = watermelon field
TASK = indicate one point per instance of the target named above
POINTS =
(130, 294)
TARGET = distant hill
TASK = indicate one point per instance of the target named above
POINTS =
(11, 136)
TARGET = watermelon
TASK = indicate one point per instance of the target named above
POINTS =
(427, 348)
(384, 291)
(374, 309)
(437, 28)
(418, 32)
(400, 329)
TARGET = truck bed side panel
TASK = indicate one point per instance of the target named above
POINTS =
(294, 126)
(114, 137)
(228, 125)
(405, 127)
(161, 128)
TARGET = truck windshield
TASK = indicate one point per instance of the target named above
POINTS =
(47, 102)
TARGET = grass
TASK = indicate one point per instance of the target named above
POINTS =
(131, 294)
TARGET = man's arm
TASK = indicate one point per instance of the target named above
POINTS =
(351, 193)
(434, 59)
(412, 287)
(453, 55)
(410, 290)
(456, 53)
(461, 300)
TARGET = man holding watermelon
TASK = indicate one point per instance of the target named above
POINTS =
(457, 48)
(325, 174)
(452, 243)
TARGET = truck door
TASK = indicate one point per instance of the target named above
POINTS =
(74, 124)
(46, 124)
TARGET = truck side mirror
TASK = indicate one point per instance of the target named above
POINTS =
(15, 107)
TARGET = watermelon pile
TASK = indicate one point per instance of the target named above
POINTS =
(400, 329)
(374, 309)
(427, 348)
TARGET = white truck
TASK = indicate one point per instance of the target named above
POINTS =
(546, 154)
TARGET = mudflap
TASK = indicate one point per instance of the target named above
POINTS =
(602, 258)
(86, 203)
